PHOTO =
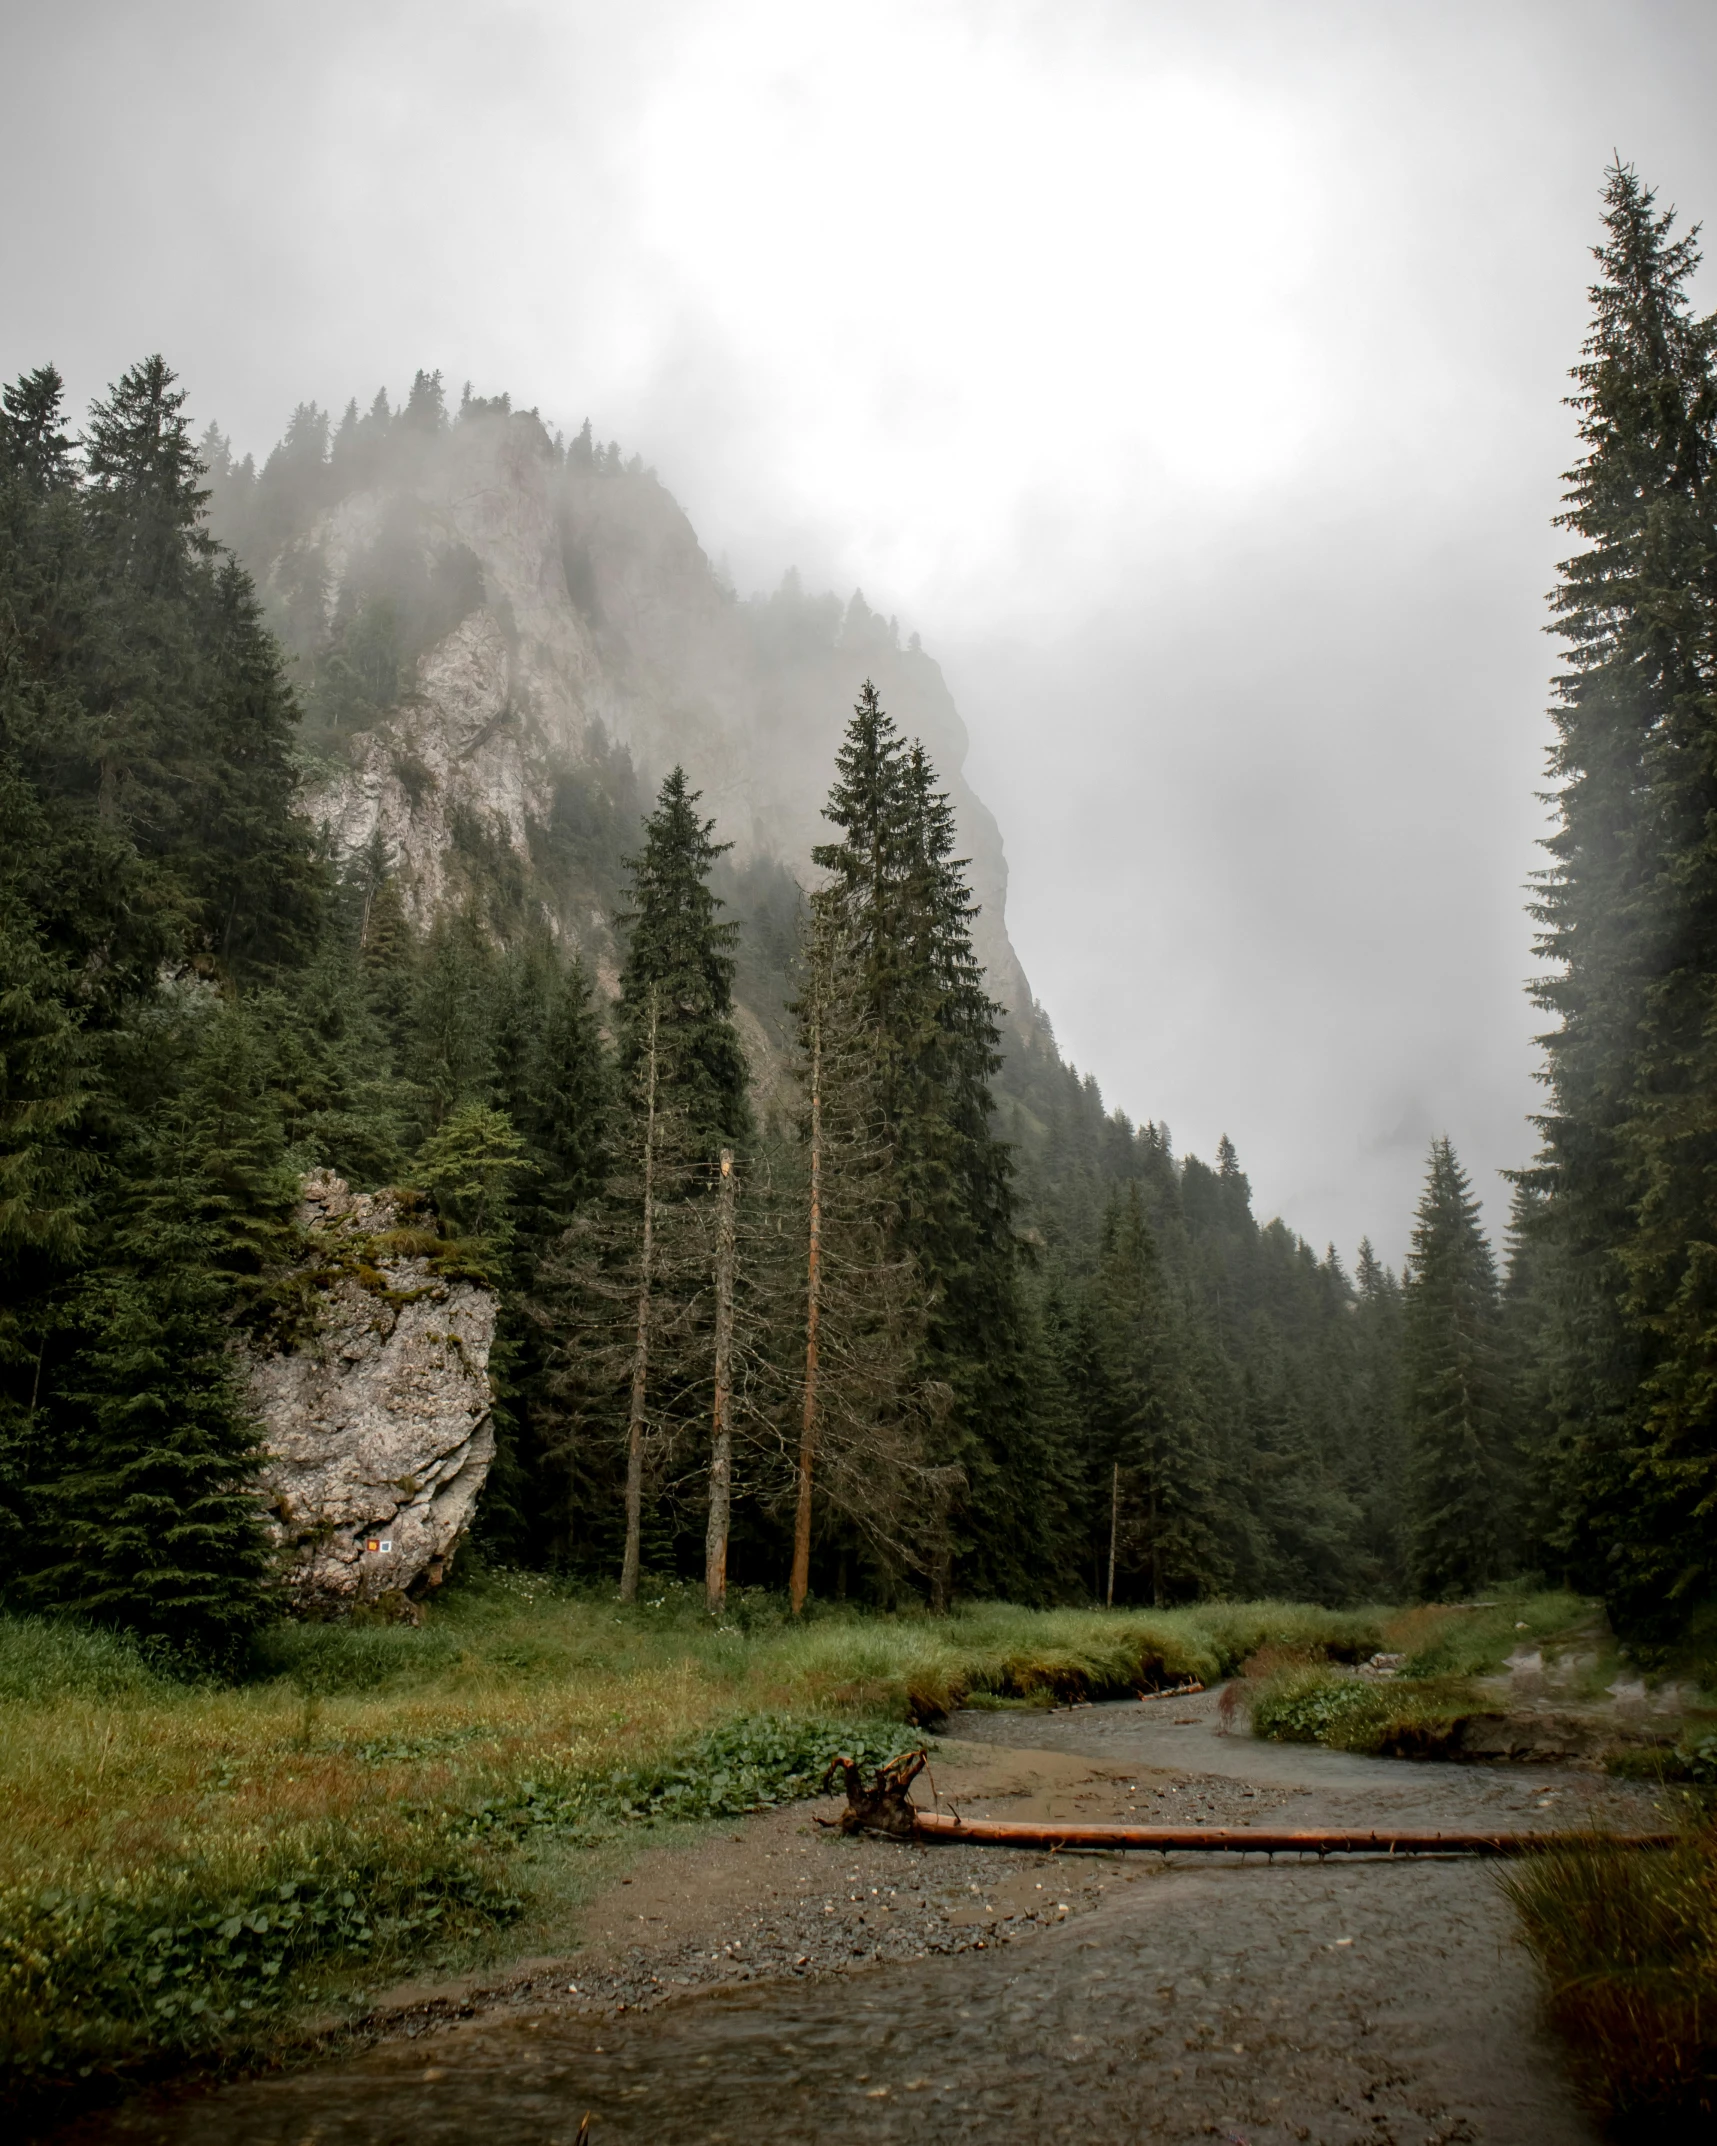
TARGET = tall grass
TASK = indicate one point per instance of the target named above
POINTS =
(1628, 1942)
(186, 1866)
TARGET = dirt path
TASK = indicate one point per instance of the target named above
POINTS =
(778, 1982)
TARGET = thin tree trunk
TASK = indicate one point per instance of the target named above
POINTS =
(942, 1562)
(801, 1580)
(641, 1348)
(1114, 1531)
(721, 1450)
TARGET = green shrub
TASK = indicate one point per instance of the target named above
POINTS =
(1396, 1717)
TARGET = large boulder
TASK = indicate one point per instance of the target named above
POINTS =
(377, 1418)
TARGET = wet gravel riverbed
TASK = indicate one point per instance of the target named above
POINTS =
(826, 1903)
(780, 1982)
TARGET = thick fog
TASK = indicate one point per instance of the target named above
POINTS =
(1189, 377)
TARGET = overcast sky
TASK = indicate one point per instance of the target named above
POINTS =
(1188, 375)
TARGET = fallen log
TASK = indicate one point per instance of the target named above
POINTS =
(887, 1807)
(1257, 1840)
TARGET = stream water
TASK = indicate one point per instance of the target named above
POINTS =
(1246, 2002)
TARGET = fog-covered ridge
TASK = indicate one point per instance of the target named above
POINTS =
(480, 613)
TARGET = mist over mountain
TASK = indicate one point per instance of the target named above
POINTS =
(498, 634)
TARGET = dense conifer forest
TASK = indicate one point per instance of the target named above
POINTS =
(932, 1320)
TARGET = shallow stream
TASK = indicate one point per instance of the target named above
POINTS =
(1246, 2002)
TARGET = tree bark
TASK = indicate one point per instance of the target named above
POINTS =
(641, 1347)
(801, 1580)
(721, 1447)
(1114, 1531)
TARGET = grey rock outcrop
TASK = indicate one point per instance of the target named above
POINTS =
(377, 1424)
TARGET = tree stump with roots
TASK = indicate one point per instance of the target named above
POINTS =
(884, 1807)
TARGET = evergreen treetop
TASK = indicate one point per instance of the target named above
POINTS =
(145, 500)
(679, 961)
(32, 439)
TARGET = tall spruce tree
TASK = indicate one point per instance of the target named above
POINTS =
(1628, 911)
(153, 1521)
(906, 912)
(1461, 1488)
(637, 1269)
(863, 1474)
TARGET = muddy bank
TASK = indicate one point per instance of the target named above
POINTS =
(779, 1982)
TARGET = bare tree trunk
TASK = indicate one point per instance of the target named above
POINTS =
(721, 1451)
(942, 1565)
(801, 1580)
(641, 1348)
(1156, 1550)
(1114, 1529)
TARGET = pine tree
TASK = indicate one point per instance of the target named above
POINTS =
(242, 846)
(1461, 1488)
(1380, 1440)
(678, 971)
(900, 893)
(1628, 911)
(864, 1411)
(44, 1092)
(387, 953)
(1150, 1429)
(453, 1013)
(469, 1166)
(628, 1290)
(33, 439)
(47, 1175)
(554, 1079)
(1529, 1280)
(688, 1087)
(158, 1513)
(153, 1521)
(145, 504)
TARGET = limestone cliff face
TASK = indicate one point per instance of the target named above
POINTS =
(602, 623)
(377, 1425)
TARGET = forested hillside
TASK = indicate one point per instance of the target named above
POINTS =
(357, 814)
